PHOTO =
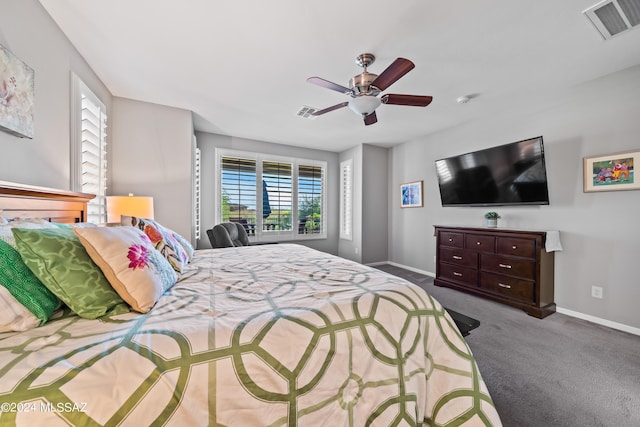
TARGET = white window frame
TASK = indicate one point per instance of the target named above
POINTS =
(346, 199)
(97, 204)
(260, 234)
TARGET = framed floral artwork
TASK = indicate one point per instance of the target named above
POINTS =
(16, 95)
(611, 172)
(411, 195)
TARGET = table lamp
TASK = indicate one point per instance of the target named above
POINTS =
(138, 206)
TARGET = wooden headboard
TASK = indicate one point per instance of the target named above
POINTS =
(27, 201)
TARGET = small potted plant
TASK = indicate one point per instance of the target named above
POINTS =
(491, 219)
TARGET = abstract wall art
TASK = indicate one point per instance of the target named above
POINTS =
(16, 95)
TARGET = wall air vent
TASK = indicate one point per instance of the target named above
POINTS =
(612, 17)
(306, 112)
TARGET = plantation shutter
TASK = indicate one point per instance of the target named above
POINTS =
(278, 179)
(89, 149)
(238, 187)
(94, 155)
(196, 192)
(346, 197)
(310, 199)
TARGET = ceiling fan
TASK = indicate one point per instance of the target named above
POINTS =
(365, 88)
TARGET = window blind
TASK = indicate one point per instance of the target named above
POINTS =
(310, 199)
(346, 197)
(89, 149)
(238, 200)
(196, 190)
(278, 179)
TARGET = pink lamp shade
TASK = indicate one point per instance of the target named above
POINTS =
(138, 206)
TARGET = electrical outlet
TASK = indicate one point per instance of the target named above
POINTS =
(596, 292)
(356, 251)
(434, 258)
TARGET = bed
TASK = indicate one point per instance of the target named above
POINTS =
(269, 335)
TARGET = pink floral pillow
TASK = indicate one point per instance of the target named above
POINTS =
(186, 245)
(130, 262)
(162, 240)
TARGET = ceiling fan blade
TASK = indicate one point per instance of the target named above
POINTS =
(370, 119)
(329, 85)
(397, 69)
(412, 100)
(328, 109)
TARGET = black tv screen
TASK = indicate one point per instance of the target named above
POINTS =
(509, 174)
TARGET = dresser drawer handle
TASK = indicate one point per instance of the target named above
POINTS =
(455, 273)
(504, 265)
(457, 257)
(514, 247)
(450, 239)
(478, 243)
(502, 285)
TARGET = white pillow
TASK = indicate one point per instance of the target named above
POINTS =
(13, 316)
(130, 262)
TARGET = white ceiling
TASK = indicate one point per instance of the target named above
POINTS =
(241, 66)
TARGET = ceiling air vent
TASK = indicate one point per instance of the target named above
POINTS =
(612, 17)
(306, 112)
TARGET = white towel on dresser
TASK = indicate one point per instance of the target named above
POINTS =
(553, 241)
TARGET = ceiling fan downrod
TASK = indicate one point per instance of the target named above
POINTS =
(361, 84)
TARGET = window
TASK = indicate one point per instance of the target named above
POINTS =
(310, 197)
(89, 148)
(196, 192)
(274, 198)
(346, 204)
(277, 192)
(238, 198)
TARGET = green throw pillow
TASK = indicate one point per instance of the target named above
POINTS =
(59, 260)
(25, 287)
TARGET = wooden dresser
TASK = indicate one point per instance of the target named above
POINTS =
(509, 266)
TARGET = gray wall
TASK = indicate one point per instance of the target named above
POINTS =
(375, 211)
(208, 142)
(369, 243)
(599, 231)
(30, 34)
(152, 156)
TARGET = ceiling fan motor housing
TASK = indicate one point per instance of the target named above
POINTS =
(361, 84)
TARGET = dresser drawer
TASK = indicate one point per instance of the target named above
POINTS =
(458, 257)
(503, 265)
(508, 286)
(480, 243)
(516, 247)
(456, 273)
(455, 240)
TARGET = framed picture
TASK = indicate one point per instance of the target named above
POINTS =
(411, 195)
(16, 95)
(611, 172)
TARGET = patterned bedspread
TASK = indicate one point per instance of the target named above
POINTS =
(272, 335)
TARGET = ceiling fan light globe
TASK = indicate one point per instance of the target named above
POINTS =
(364, 104)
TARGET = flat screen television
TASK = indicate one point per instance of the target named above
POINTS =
(509, 174)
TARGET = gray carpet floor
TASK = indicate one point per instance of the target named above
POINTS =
(558, 371)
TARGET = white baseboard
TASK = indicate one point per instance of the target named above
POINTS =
(576, 314)
(597, 320)
(406, 267)
(375, 264)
